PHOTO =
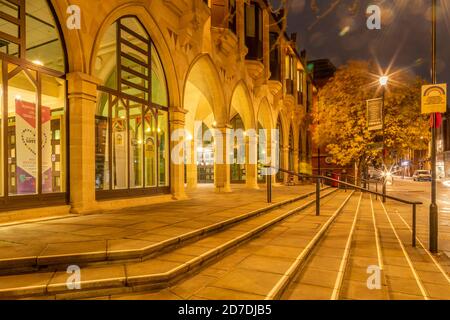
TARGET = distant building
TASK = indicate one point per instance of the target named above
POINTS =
(322, 70)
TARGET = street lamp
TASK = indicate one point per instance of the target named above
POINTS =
(383, 82)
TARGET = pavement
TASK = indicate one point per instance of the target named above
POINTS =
(230, 246)
(306, 257)
(97, 235)
(421, 191)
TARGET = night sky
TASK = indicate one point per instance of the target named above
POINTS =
(404, 38)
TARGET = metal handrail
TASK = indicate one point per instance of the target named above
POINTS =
(320, 178)
(353, 186)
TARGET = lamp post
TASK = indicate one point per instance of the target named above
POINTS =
(434, 210)
(383, 82)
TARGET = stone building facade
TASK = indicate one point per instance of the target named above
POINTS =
(103, 94)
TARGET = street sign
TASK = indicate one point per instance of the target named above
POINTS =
(434, 98)
(375, 114)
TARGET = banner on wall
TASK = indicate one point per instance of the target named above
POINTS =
(47, 152)
(26, 151)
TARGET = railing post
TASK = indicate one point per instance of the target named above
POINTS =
(414, 225)
(345, 186)
(269, 186)
(376, 189)
(318, 197)
(384, 189)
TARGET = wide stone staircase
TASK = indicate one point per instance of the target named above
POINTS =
(280, 251)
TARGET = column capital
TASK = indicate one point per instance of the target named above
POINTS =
(223, 128)
(82, 85)
(177, 116)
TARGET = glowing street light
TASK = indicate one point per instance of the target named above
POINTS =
(384, 81)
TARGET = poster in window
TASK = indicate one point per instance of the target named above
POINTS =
(26, 155)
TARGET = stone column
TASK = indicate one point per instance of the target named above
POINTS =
(251, 166)
(177, 121)
(191, 168)
(296, 165)
(82, 90)
(285, 162)
(221, 162)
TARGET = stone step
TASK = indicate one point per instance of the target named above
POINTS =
(156, 272)
(138, 247)
(412, 273)
(312, 263)
(319, 275)
(253, 270)
(365, 259)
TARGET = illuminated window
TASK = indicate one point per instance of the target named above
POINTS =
(33, 105)
(254, 31)
(132, 120)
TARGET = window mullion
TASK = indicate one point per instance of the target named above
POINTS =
(110, 167)
(22, 29)
(4, 122)
(39, 134)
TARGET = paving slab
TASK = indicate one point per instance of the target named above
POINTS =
(215, 293)
(265, 263)
(90, 250)
(249, 281)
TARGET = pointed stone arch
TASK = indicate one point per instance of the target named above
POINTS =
(241, 102)
(204, 100)
(76, 55)
(202, 82)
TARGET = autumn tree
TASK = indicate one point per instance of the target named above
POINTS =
(340, 119)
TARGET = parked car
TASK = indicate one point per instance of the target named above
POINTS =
(422, 175)
(375, 174)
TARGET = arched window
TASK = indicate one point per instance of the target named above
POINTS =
(132, 122)
(33, 138)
